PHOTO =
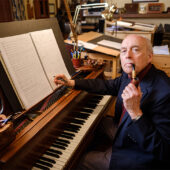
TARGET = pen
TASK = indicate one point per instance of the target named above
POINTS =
(4, 121)
(61, 79)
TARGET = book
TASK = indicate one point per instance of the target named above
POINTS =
(49, 54)
(30, 61)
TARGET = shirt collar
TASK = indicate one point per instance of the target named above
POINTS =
(142, 74)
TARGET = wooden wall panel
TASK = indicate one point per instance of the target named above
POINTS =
(5, 11)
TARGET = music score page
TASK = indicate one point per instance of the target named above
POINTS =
(25, 69)
(49, 53)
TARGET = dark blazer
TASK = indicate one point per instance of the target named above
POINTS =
(145, 143)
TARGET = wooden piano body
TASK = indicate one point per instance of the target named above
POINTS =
(40, 134)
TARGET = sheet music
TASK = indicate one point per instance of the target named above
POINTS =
(49, 54)
(25, 69)
(110, 44)
(10, 79)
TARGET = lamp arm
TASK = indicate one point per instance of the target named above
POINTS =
(71, 23)
(87, 6)
(78, 7)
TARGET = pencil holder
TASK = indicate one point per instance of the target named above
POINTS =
(76, 62)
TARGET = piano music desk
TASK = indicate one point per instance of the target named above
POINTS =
(100, 52)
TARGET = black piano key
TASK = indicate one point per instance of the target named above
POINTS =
(92, 100)
(81, 122)
(41, 166)
(74, 120)
(98, 97)
(66, 136)
(90, 105)
(58, 152)
(71, 129)
(45, 163)
(62, 140)
(76, 127)
(60, 143)
(48, 160)
(59, 146)
(86, 110)
(54, 151)
(82, 116)
(52, 154)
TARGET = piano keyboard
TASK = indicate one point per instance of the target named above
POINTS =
(64, 146)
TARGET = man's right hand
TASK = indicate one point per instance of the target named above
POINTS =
(63, 80)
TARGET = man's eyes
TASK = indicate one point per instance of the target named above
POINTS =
(135, 49)
(123, 50)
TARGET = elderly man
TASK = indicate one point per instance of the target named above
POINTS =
(142, 114)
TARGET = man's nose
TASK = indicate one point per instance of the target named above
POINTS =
(128, 54)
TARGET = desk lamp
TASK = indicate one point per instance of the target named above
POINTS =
(108, 14)
(73, 23)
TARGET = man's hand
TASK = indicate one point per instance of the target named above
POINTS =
(2, 117)
(63, 80)
(131, 100)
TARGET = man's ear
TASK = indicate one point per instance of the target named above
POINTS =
(150, 55)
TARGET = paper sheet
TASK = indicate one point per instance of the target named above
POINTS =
(111, 44)
(25, 69)
(49, 54)
(161, 50)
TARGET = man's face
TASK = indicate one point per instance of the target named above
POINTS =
(134, 51)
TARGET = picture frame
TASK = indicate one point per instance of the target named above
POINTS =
(155, 8)
(136, 1)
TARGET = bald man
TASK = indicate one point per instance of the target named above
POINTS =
(142, 113)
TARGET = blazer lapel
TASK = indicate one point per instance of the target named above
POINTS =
(146, 84)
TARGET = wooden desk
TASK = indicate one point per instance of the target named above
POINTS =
(162, 62)
(103, 53)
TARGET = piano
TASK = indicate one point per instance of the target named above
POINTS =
(54, 133)
(56, 138)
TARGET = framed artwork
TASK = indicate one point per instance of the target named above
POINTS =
(145, 0)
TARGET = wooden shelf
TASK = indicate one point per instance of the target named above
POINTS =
(162, 15)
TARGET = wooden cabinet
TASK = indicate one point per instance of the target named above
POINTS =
(5, 11)
(162, 62)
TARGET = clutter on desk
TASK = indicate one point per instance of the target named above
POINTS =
(83, 62)
(76, 56)
(121, 28)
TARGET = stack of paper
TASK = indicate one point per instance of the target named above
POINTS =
(161, 50)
